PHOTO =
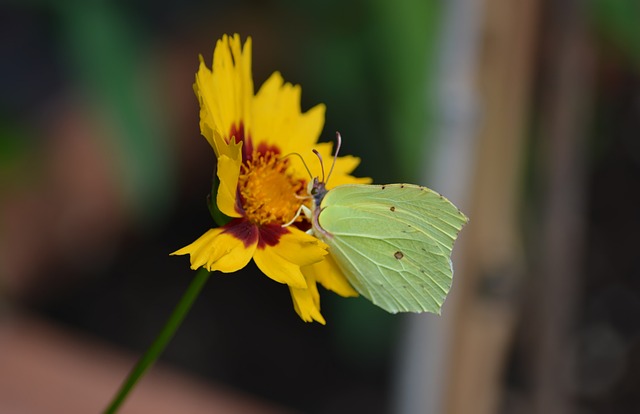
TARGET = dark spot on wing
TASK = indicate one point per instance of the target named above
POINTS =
(401, 185)
(383, 187)
(398, 255)
(392, 208)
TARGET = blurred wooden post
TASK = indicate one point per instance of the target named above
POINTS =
(555, 289)
(487, 304)
(423, 357)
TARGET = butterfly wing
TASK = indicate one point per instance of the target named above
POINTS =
(393, 243)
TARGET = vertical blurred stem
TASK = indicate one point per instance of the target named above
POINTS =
(161, 342)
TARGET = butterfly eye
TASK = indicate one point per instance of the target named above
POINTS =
(314, 191)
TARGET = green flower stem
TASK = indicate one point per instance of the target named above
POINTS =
(161, 342)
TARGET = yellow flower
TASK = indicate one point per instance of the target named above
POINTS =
(261, 187)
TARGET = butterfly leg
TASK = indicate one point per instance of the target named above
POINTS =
(307, 211)
(309, 215)
(303, 209)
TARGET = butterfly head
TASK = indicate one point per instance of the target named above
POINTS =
(317, 190)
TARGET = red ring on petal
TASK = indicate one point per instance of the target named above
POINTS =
(243, 230)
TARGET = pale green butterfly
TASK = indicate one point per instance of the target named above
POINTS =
(392, 242)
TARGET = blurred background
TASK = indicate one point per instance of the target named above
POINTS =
(525, 114)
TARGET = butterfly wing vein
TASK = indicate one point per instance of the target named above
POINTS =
(393, 244)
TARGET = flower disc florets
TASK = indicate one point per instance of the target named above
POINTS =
(267, 191)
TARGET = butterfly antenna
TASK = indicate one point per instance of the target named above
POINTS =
(335, 155)
(301, 159)
(321, 163)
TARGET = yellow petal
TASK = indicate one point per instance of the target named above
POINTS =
(282, 261)
(306, 303)
(218, 250)
(228, 173)
(226, 91)
(278, 120)
(329, 275)
(202, 88)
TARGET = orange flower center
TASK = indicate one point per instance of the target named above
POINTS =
(268, 192)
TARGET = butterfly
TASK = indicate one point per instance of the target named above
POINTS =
(392, 242)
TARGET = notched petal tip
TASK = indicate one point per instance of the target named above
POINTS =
(306, 303)
(218, 250)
